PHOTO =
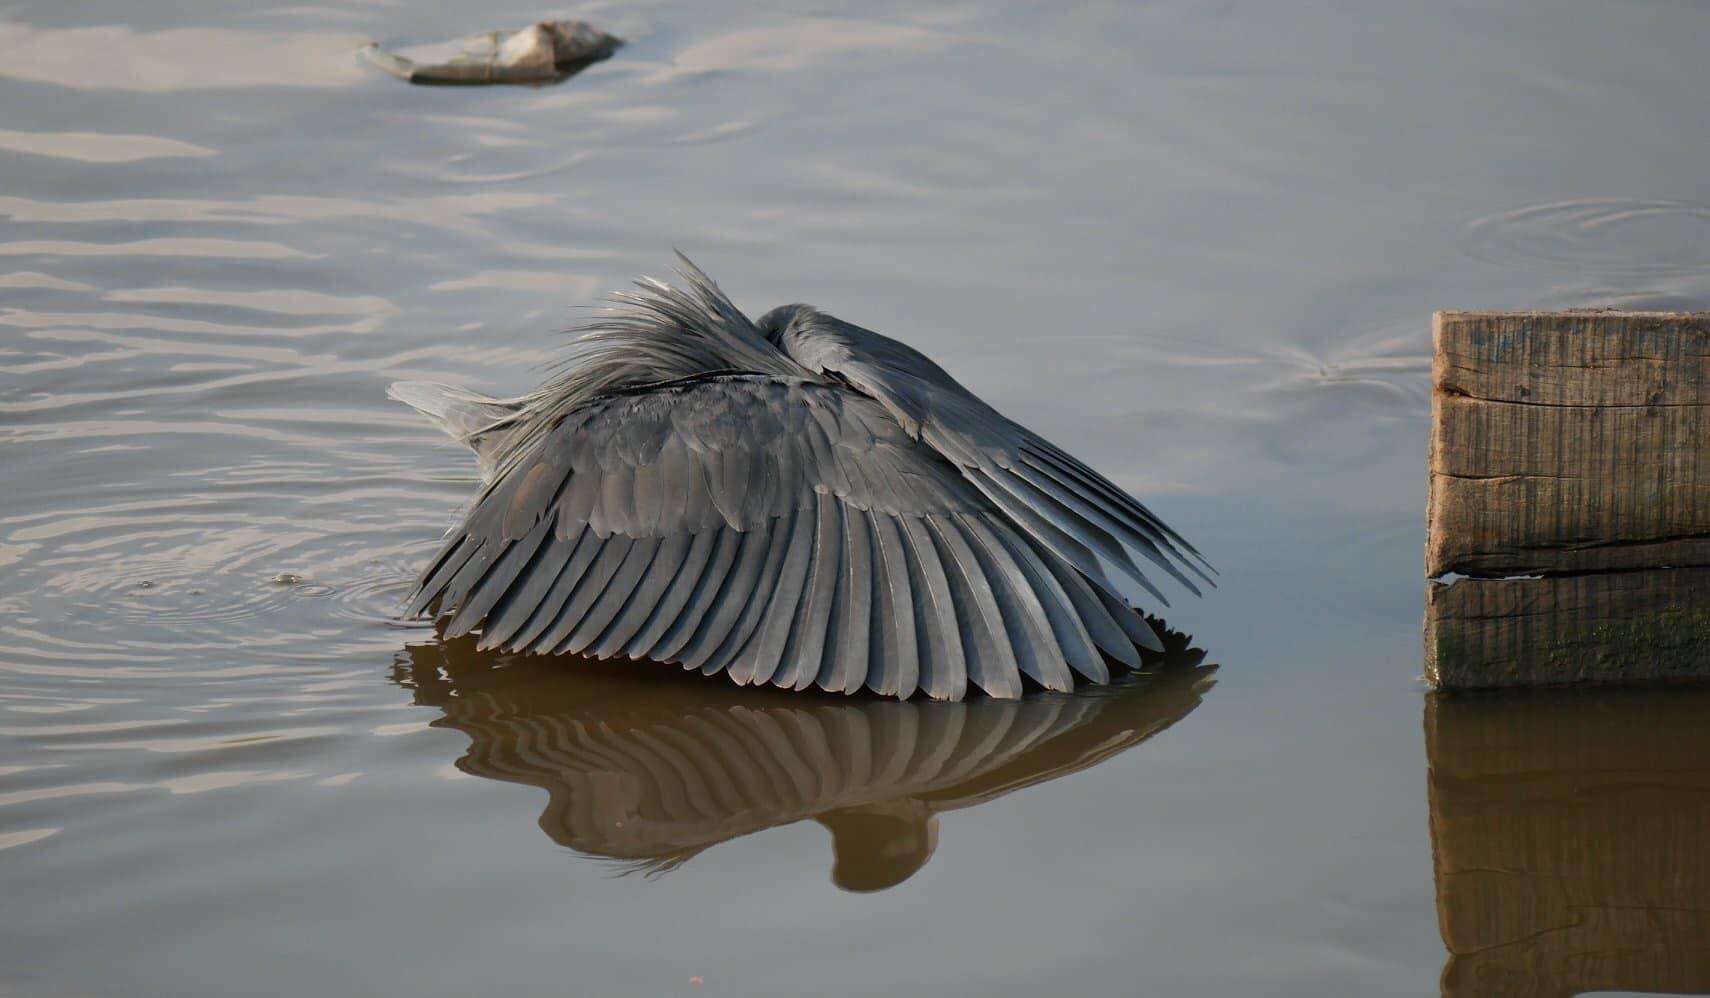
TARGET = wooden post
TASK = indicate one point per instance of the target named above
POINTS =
(1570, 478)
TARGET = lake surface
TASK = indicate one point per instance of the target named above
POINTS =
(1198, 244)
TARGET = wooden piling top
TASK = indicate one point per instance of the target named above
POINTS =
(1573, 446)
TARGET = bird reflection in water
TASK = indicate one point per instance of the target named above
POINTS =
(650, 768)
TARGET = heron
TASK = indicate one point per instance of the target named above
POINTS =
(794, 501)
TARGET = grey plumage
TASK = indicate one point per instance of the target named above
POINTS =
(797, 502)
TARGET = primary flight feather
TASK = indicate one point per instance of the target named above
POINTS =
(794, 501)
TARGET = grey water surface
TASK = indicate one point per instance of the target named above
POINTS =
(1197, 244)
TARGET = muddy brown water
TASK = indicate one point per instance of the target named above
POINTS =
(1197, 244)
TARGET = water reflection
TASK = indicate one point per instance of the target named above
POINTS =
(650, 768)
(117, 57)
(1600, 235)
(797, 45)
(1571, 838)
(99, 147)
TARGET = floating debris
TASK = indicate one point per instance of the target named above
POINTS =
(286, 579)
(545, 52)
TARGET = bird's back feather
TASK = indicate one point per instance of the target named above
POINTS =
(470, 418)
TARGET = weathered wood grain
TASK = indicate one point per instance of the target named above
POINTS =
(1605, 627)
(1568, 833)
(1566, 358)
(1569, 442)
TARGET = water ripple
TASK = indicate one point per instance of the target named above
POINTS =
(177, 58)
(1606, 235)
(99, 147)
(225, 249)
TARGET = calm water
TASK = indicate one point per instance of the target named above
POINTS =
(1198, 243)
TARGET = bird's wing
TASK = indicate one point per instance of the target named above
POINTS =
(776, 529)
(1064, 506)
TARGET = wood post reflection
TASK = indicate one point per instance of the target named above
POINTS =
(1571, 840)
(648, 768)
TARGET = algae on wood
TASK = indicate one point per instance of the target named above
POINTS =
(1603, 627)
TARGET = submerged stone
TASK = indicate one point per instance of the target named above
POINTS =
(545, 52)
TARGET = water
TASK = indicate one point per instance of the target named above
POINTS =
(1198, 244)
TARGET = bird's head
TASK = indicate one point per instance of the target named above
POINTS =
(774, 325)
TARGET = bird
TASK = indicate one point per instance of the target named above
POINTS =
(792, 501)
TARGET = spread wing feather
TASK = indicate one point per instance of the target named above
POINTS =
(1065, 507)
(780, 531)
